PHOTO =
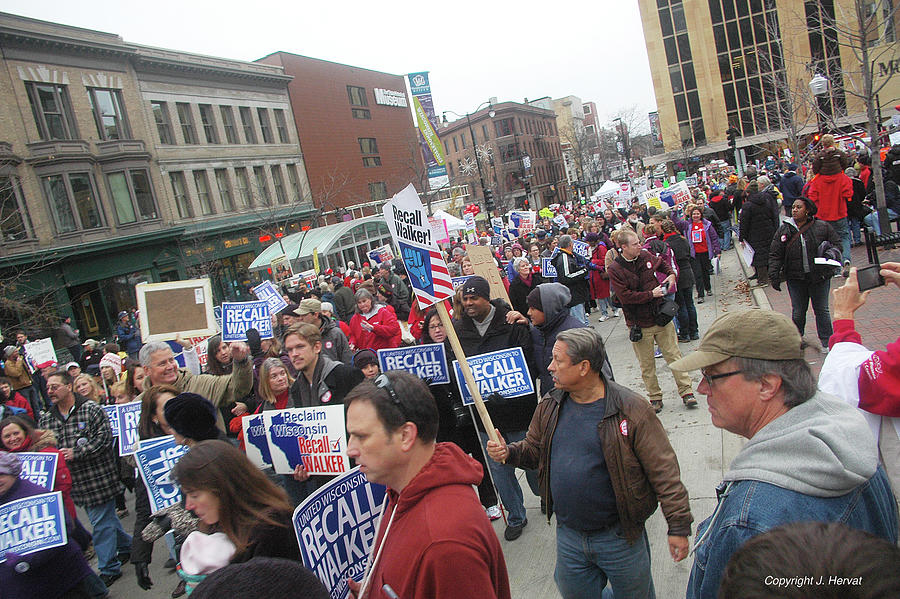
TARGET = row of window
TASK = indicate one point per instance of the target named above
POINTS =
(681, 72)
(53, 115)
(357, 97)
(249, 187)
(240, 128)
(502, 128)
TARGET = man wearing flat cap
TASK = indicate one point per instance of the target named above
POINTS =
(809, 455)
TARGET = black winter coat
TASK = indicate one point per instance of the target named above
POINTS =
(758, 226)
(892, 164)
(681, 247)
(571, 271)
(518, 291)
(786, 257)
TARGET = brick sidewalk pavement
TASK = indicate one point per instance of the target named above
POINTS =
(878, 322)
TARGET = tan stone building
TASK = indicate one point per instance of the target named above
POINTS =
(748, 63)
(122, 163)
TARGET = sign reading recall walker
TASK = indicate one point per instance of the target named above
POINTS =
(39, 468)
(237, 317)
(112, 414)
(582, 248)
(256, 444)
(155, 459)
(427, 362)
(458, 281)
(548, 271)
(504, 372)
(32, 524)
(313, 437)
(267, 292)
(335, 529)
(129, 415)
(408, 223)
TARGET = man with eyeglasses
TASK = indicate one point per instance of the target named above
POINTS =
(810, 456)
(434, 539)
(85, 440)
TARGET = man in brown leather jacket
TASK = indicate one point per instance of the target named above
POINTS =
(601, 498)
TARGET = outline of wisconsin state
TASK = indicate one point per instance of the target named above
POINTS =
(288, 445)
(259, 442)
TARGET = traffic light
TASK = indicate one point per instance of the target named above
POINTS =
(489, 200)
(732, 134)
(817, 137)
(527, 187)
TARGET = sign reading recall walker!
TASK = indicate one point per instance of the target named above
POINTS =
(548, 271)
(504, 372)
(427, 362)
(155, 459)
(312, 437)
(39, 468)
(408, 223)
(267, 292)
(112, 414)
(129, 415)
(239, 316)
(32, 524)
(336, 526)
(256, 444)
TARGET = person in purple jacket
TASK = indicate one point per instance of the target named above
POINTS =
(704, 246)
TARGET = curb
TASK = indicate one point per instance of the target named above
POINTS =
(759, 294)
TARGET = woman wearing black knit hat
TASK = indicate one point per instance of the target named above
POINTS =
(192, 418)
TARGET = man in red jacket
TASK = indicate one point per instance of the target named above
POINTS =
(434, 539)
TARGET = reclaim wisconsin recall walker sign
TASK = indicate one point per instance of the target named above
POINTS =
(426, 362)
(313, 437)
(504, 372)
(409, 226)
(336, 527)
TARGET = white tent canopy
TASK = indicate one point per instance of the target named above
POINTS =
(608, 188)
(453, 223)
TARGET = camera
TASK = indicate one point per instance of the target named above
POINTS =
(635, 334)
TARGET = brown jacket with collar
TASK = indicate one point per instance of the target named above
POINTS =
(642, 464)
(633, 283)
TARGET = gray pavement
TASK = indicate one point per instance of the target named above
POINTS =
(704, 453)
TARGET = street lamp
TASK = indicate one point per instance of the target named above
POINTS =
(623, 131)
(486, 194)
(819, 88)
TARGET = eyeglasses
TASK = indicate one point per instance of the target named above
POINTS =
(383, 382)
(435, 327)
(709, 378)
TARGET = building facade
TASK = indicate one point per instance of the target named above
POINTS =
(122, 163)
(356, 130)
(518, 148)
(748, 64)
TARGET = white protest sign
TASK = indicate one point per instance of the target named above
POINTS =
(471, 227)
(439, 231)
(41, 353)
(32, 524)
(39, 468)
(256, 444)
(267, 292)
(336, 526)
(314, 437)
(129, 415)
(237, 317)
(406, 219)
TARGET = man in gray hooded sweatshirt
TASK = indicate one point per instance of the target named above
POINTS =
(810, 456)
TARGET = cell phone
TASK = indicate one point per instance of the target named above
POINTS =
(869, 277)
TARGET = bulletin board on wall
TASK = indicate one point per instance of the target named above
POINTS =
(167, 310)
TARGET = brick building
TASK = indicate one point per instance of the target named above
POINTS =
(356, 130)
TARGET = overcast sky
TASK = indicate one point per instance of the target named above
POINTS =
(473, 50)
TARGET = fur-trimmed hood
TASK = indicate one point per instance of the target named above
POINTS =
(41, 440)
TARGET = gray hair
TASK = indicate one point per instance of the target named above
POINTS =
(149, 349)
(797, 379)
(763, 181)
(518, 262)
(362, 294)
(565, 241)
(850, 172)
(584, 344)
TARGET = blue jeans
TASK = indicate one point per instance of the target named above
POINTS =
(578, 312)
(585, 562)
(507, 486)
(687, 312)
(603, 305)
(110, 538)
(726, 240)
(871, 220)
(854, 229)
(801, 294)
(843, 231)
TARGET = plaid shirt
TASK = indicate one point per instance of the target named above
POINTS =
(95, 478)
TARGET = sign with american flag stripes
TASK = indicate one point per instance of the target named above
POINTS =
(408, 222)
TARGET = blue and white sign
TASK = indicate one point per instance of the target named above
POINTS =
(548, 271)
(314, 437)
(217, 314)
(39, 468)
(237, 317)
(129, 416)
(32, 524)
(427, 362)
(155, 459)
(267, 292)
(581, 248)
(560, 221)
(497, 224)
(459, 281)
(504, 372)
(112, 414)
(336, 527)
(256, 442)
